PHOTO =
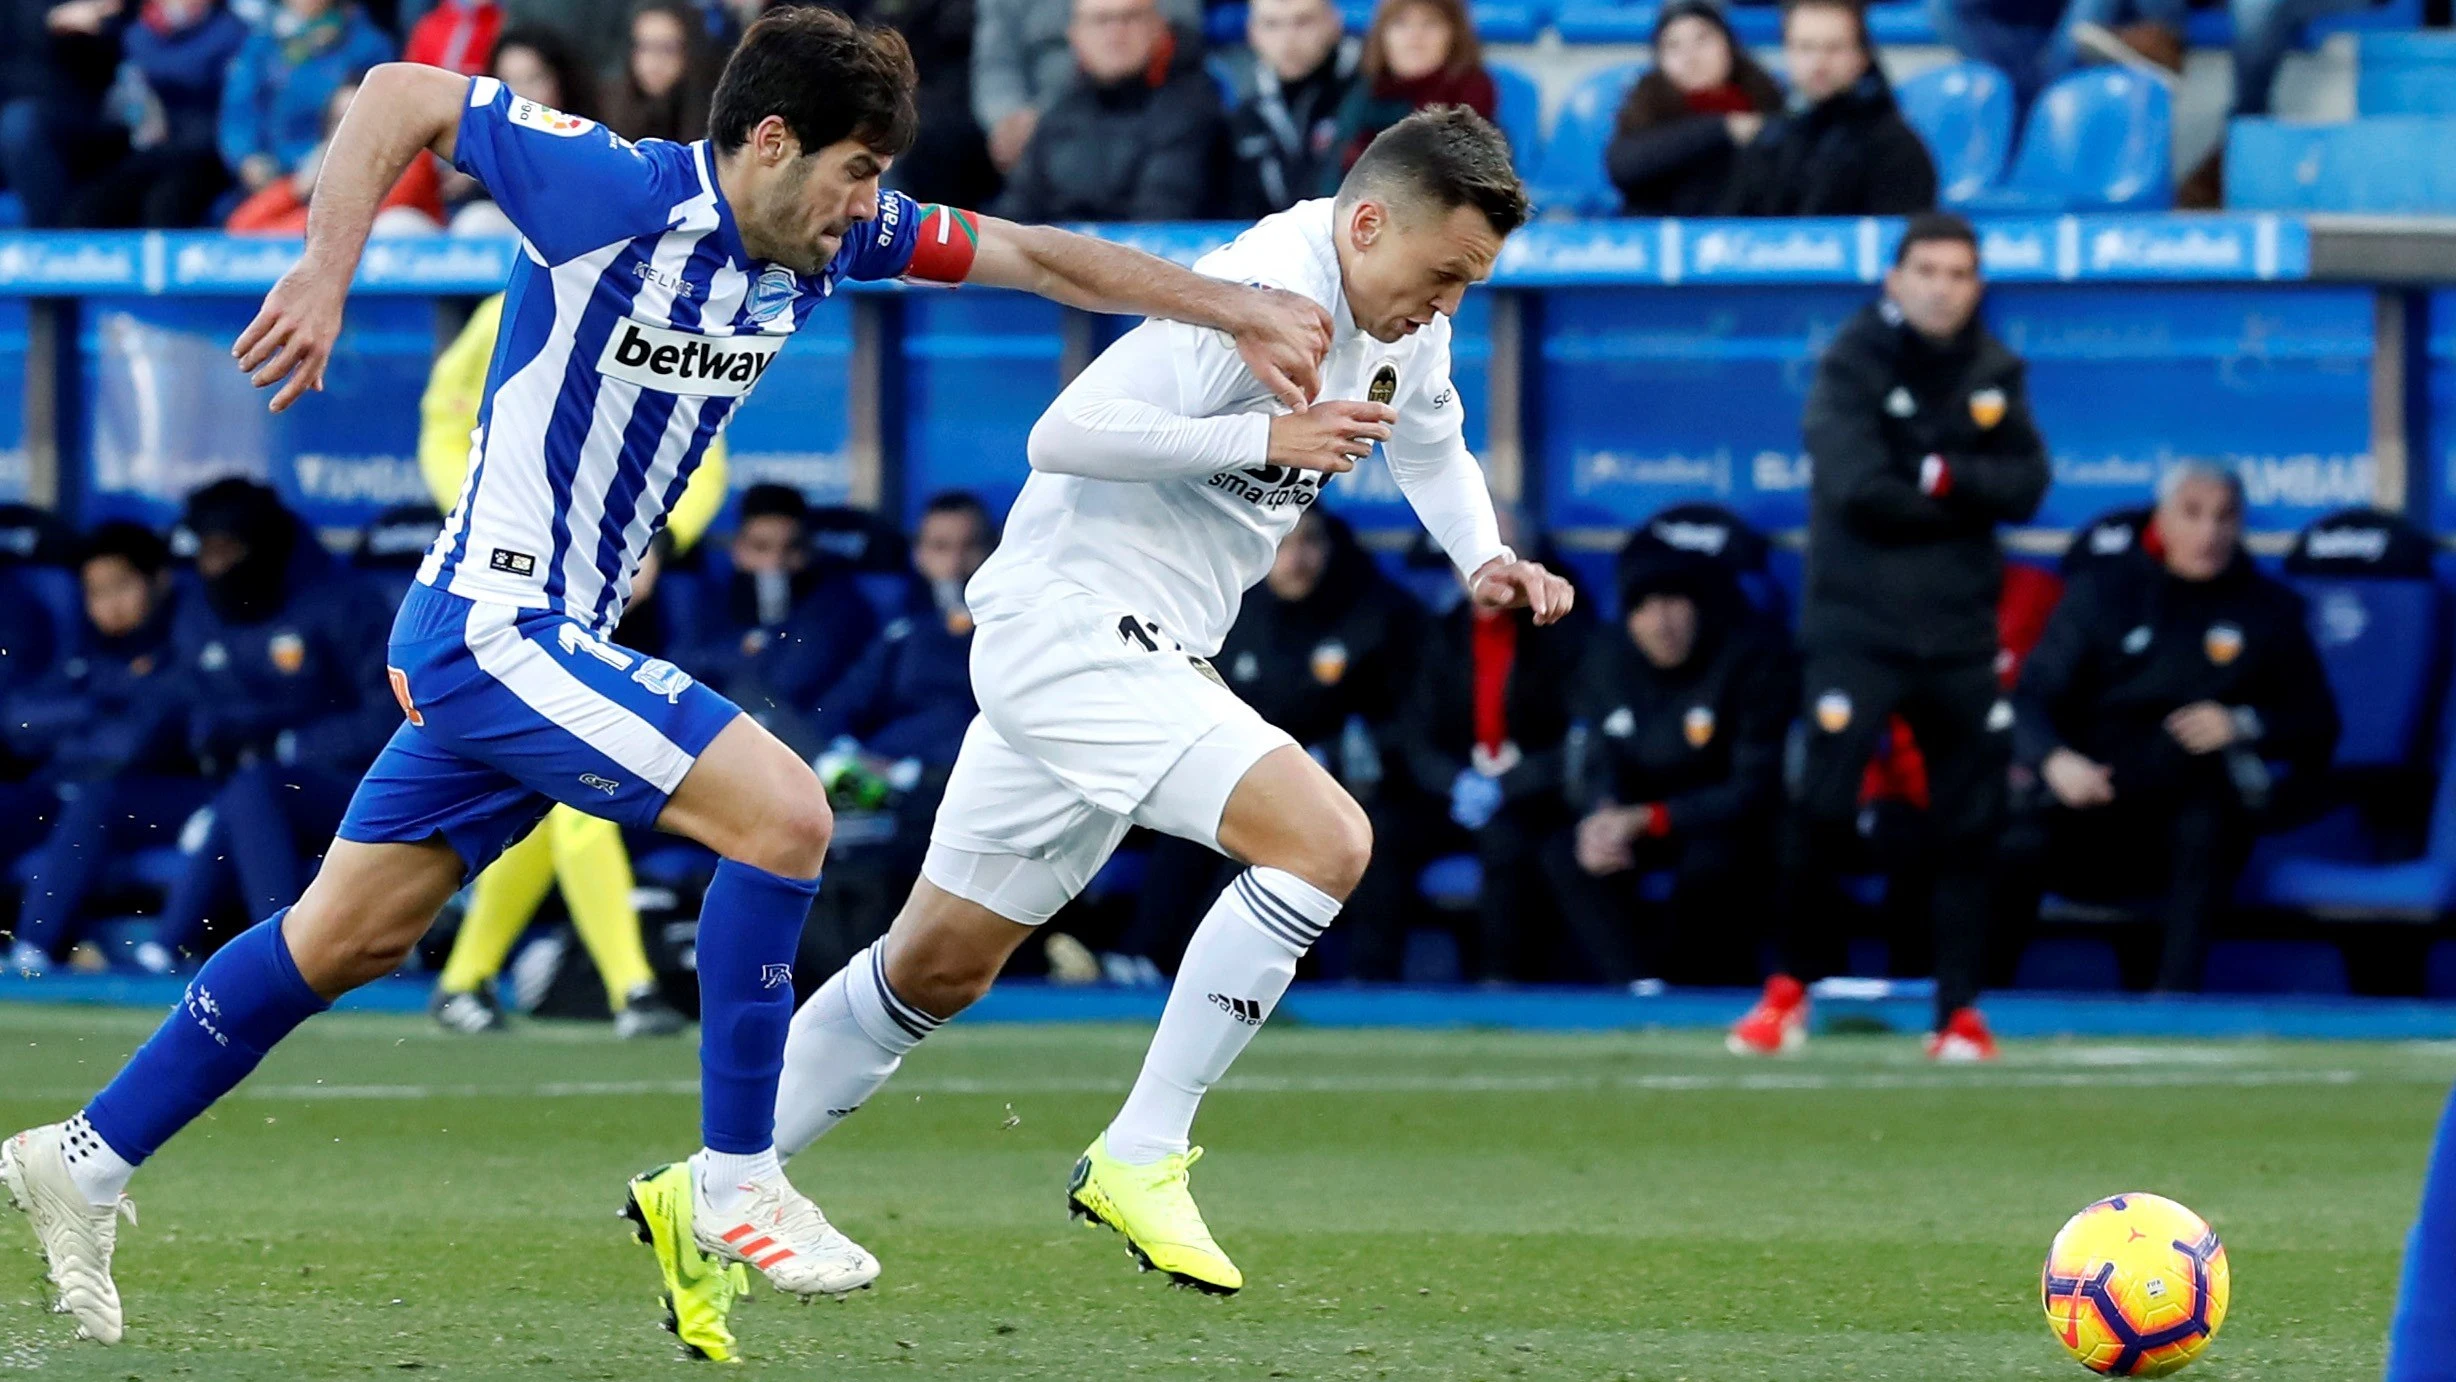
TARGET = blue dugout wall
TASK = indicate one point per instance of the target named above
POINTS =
(1616, 367)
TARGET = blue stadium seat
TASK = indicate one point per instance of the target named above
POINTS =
(1964, 110)
(2395, 164)
(2099, 140)
(2275, 967)
(1601, 21)
(1898, 21)
(1520, 114)
(2405, 74)
(2068, 963)
(1571, 177)
(2380, 642)
(1453, 881)
(1224, 27)
(12, 211)
(1504, 21)
(889, 593)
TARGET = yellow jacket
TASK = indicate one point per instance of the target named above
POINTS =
(448, 415)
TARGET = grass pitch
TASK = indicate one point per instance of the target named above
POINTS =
(383, 1200)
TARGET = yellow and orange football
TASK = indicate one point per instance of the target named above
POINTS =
(2135, 1286)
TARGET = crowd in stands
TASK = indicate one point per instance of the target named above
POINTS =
(1674, 784)
(175, 113)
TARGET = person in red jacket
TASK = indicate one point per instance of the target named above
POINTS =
(456, 35)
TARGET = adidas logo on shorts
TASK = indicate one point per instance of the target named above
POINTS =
(1244, 1010)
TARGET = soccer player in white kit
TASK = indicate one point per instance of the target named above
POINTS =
(1162, 481)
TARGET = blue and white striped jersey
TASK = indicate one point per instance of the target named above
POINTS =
(633, 324)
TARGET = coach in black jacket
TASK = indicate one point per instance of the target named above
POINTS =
(1919, 432)
(2171, 686)
(1676, 765)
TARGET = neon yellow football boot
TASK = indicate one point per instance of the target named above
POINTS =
(700, 1291)
(1153, 1207)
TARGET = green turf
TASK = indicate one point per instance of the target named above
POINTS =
(384, 1200)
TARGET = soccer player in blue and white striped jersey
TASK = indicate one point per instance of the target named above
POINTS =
(655, 285)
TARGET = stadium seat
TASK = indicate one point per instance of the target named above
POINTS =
(1964, 110)
(2069, 964)
(889, 593)
(2380, 642)
(1224, 27)
(1452, 882)
(1896, 22)
(1570, 178)
(2099, 140)
(1601, 21)
(1499, 21)
(2275, 967)
(1520, 115)
(2395, 164)
(2405, 74)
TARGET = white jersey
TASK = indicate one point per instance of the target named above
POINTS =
(1151, 483)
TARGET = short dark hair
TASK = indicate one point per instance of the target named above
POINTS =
(828, 77)
(134, 543)
(775, 501)
(1449, 156)
(1933, 227)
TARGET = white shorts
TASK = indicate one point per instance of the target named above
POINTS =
(1092, 720)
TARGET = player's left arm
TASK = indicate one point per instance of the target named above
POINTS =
(1429, 459)
(1281, 335)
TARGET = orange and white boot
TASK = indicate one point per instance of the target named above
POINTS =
(1963, 1038)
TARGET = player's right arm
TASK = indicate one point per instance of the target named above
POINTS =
(401, 110)
(1172, 401)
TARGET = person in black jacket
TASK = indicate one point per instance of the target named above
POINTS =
(1918, 428)
(2172, 686)
(787, 623)
(1679, 136)
(1135, 137)
(107, 724)
(1677, 766)
(288, 701)
(1482, 745)
(1284, 136)
(1323, 648)
(1844, 150)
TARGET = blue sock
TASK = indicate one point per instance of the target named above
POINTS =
(246, 998)
(749, 927)
(2422, 1336)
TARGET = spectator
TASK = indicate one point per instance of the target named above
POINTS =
(277, 104)
(1685, 707)
(538, 65)
(414, 206)
(1322, 649)
(786, 626)
(1844, 149)
(1133, 138)
(668, 77)
(1919, 431)
(1680, 133)
(106, 724)
(1285, 134)
(949, 160)
(283, 664)
(910, 694)
(1483, 738)
(54, 133)
(2167, 682)
(1418, 53)
(177, 53)
(1023, 60)
(458, 36)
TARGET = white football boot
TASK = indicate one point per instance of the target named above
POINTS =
(77, 1235)
(781, 1233)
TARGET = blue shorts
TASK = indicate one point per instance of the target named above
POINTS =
(511, 710)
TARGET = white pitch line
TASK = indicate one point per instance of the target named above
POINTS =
(1750, 1082)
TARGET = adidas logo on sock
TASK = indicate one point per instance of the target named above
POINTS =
(1244, 1010)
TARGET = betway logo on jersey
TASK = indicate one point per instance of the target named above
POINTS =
(669, 361)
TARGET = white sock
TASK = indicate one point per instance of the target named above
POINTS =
(725, 1177)
(1235, 969)
(97, 1170)
(844, 1043)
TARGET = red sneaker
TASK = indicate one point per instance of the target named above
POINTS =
(1777, 1026)
(1965, 1038)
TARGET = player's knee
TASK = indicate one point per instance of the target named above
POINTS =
(794, 832)
(1337, 849)
(941, 980)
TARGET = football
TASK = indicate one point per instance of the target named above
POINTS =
(2135, 1286)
